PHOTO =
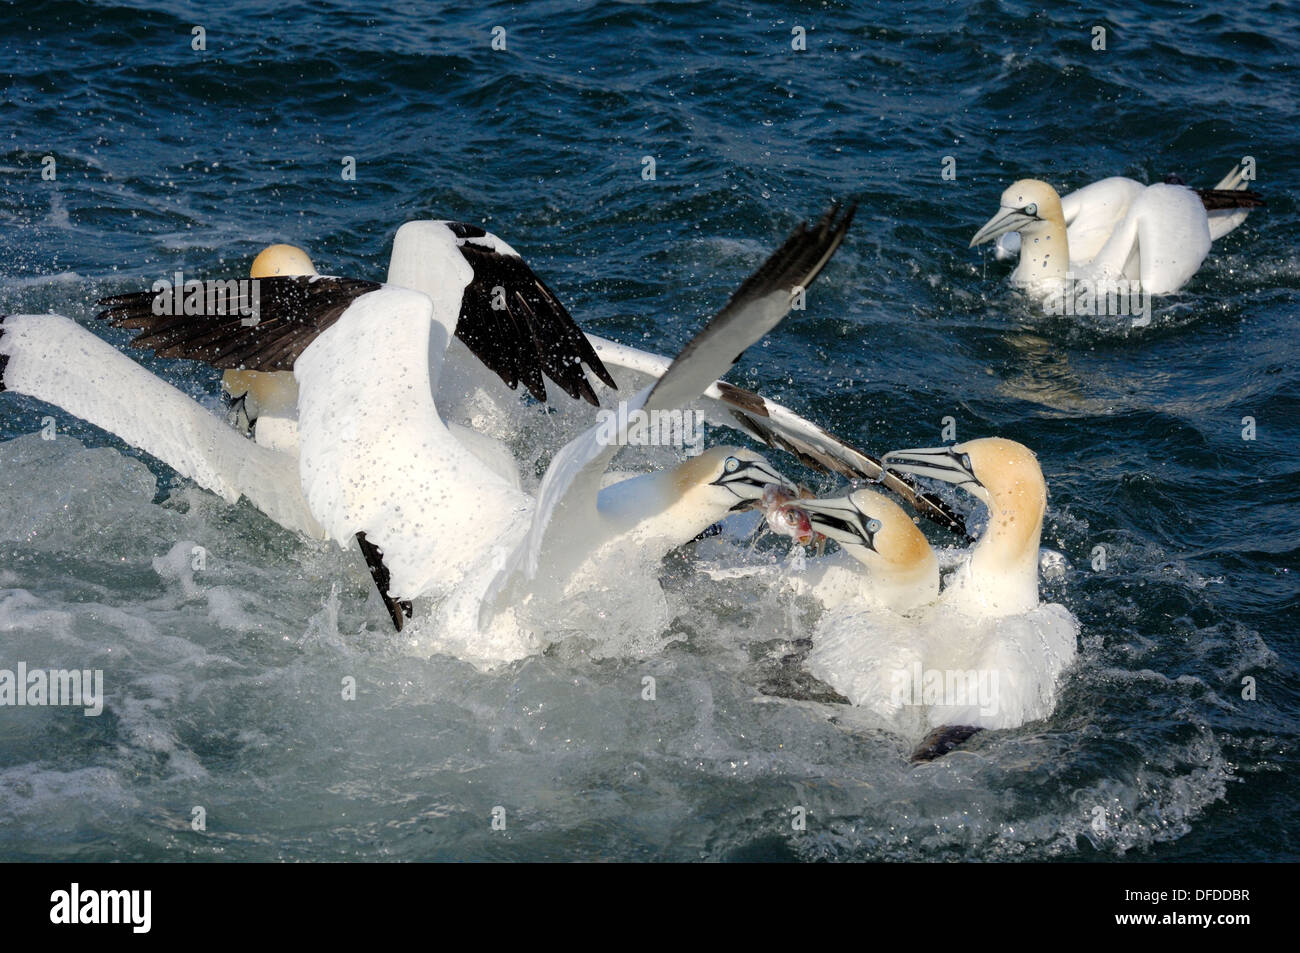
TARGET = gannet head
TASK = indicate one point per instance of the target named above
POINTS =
(281, 260)
(1025, 204)
(1002, 473)
(874, 530)
(726, 479)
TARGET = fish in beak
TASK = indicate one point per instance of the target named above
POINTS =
(785, 517)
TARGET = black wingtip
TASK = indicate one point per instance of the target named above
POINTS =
(1217, 199)
(399, 610)
(4, 358)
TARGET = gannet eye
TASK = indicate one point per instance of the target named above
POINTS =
(1031, 208)
(965, 462)
(873, 526)
(731, 465)
(791, 517)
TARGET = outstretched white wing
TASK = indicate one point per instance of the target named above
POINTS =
(566, 510)
(56, 360)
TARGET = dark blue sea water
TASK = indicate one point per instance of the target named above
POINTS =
(223, 684)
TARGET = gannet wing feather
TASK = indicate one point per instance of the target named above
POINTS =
(509, 319)
(777, 426)
(567, 498)
(516, 325)
(54, 359)
(238, 332)
(756, 307)
(1229, 202)
(1093, 212)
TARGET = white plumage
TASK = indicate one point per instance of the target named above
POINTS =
(1114, 229)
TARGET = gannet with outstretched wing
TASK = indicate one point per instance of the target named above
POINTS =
(511, 322)
(768, 422)
(376, 459)
(988, 617)
(54, 359)
(504, 300)
(1114, 229)
(574, 526)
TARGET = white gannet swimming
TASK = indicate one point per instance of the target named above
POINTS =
(1114, 229)
(1001, 576)
(984, 653)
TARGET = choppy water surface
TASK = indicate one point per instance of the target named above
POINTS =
(223, 684)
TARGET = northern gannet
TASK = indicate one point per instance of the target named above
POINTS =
(54, 359)
(888, 630)
(508, 319)
(1115, 229)
(575, 527)
(1025, 644)
(503, 318)
(1001, 576)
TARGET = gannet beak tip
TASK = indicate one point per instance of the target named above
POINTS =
(1006, 220)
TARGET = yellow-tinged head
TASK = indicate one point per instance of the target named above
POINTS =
(1002, 473)
(734, 475)
(276, 260)
(1026, 204)
(874, 529)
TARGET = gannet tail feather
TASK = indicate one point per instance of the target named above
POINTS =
(1216, 199)
(54, 359)
(1228, 203)
(1235, 179)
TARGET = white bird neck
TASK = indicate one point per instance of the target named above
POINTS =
(900, 587)
(1004, 563)
(652, 510)
(425, 258)
(1044, 254)
(908, 578)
